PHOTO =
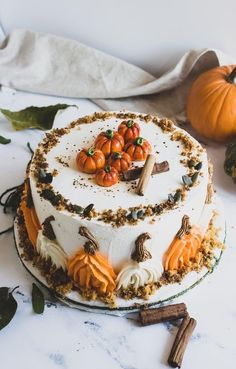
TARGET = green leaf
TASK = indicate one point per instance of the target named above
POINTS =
(8, 306)
(4, 141)
(37, 299)
(34, 116)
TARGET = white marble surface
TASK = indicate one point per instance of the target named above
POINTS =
(71, 339)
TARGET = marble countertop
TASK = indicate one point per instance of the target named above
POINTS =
(70, 339)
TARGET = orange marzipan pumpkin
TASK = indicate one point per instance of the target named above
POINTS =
(211, 104)
(129, 130)
(120, 160)
(138, 149)
(183, 250)
(109, 141)
(32, 223)
(89, 161)
(107, 177)
(92, 271)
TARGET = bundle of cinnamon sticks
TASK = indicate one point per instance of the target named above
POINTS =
(170, 313)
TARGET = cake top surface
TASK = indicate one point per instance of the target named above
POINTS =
(75, 190)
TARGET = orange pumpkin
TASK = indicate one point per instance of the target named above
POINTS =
(89, 161)
(107, 177)
(91, 270)
(120, 160)
(109, 141)
(211, 104)
(138, 149)
(184, 248)
(129, 130)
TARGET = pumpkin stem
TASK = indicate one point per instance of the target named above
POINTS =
(109, 133)
(185, 227)
(107, 168)
(139, 141)
(90, 248)
(140, 252)
(130, 123)
(90, 152)
(117, 155)
(92, 245)
(230, 78)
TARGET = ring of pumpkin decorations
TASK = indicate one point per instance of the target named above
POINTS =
(108, 146)
(89, 269)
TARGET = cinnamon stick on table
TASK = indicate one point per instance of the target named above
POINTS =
(181, 340)
(145, 175)
(132, 174)
(162, 314)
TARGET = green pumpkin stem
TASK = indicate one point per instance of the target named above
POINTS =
(90, 152)
(116, 155)
(230, 78)
(107, 168)
(109, 133)
(139, 141)
(130, 123)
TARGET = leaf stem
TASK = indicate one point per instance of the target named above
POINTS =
(6, 230)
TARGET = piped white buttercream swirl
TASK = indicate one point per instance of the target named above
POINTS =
(51, 249)
(139, 274)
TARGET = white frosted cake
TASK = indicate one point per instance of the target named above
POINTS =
(93, 232)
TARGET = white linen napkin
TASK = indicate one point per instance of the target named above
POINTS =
(48, 64)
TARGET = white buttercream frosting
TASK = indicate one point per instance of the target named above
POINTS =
(139, 274)
(81, 189)
(51, 249)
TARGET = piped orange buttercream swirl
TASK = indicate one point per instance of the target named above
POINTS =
(182, 251)
(92, 271)
(32, 223)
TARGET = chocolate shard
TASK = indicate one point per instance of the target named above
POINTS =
(47, 228)
(132, 174)
(45, 177)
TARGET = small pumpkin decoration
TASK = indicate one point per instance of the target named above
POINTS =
(211, 104)
(230, 160)
(32, 223)
(109, 141)
(89, 269)
(120, 160)
(184, 247)
(107, 177)
(129, 130)
(138, 149)
(89, 161)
